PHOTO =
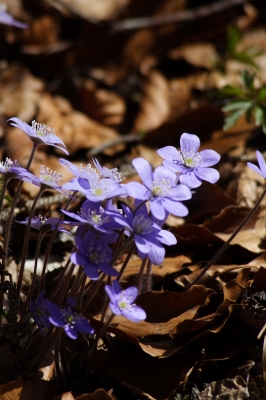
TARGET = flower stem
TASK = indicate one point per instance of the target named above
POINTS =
(10, 218)
(33, 279)
(27, 236)
(51, 242)
(226, 244)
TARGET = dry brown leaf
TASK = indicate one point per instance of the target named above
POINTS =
(99, 394)
(75, 129)
(155, 107)
(198, 54)
(101, 105)
(100, 10)
(20, 92)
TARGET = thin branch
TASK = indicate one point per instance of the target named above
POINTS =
(179, 16)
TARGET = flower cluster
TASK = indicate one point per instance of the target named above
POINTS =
(99, 223)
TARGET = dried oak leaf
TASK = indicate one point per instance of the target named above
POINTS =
(155, 107)
(102, 105)
(20, 92)
(75, 129)
(99, 394)
(202, 55)
(101, 10)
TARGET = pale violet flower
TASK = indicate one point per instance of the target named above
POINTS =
(262, 167)
(191, 165)
(121, 302)
(8, 19)
(39, 133)
(160, 188)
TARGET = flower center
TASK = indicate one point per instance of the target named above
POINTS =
(142, 225)
(161, 187)
(100, 187)
(190, 159)
(41, 129)
(48, 175)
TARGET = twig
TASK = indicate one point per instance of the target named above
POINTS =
(131, 137)
(184, 15)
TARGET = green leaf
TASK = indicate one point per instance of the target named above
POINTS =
(231, 119)
(248, 80)
(229, 90)
(262, 94)
(233, 38)
(245, 58)
(238, 104)
(249, 115)
(259, 115)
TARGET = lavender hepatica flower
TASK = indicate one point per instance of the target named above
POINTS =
(39, 312)
(192, 166)
(66, 318)
(262, 166)
(45, 224)
(148, 236)
(39, 133)
(93, 253)
(94, 186)
(48, 179)
(12, 169)
(121, 302)
(160, 187)
(95, 215)
(7, 19)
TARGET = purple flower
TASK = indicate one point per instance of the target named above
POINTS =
(7, 19)
(193, 166)
(121, 302)
(160, 187)
(48, 178)
(95, 215)
(148, 236)
(112, 173)
(44, 224)
(93, 185)
(38, 310)
(39, 133)
(262, 167)
(93, 253)
(12, 169)
(66, 318)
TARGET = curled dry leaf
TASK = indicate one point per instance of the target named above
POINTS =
(202, 55)
(154, 106)
(102, 105)
(20, 92)
(73, 127)
(180, 318)
(101, 10)
(43, 31)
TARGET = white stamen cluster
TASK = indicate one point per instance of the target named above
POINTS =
(9, 164)
(116, 175)
(90, 172)
(48, 175)
(92, 216)
(41, 219)
(41, 129)
(161, 187)
(141, 224)
(190, 159)
(69, 317)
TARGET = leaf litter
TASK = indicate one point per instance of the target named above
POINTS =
(73, 71)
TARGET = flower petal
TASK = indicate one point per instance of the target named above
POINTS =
(144, 170)
(189, 143)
